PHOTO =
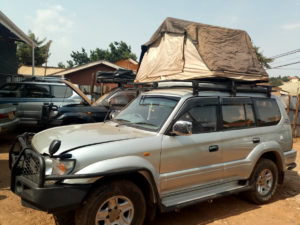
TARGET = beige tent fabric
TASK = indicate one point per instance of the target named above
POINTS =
(164, 62)
(207, 52)
(163, 59)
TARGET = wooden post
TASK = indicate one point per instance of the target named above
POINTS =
(92, 86)
(296, 116)
(288, 105)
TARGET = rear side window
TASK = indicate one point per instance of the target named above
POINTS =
(61, 91)
(237, 113)
(37, 91)
(267, 111)
(11, 90)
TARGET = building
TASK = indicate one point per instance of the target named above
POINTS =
(9, 34)
(85, 75)
(129, 64)
(38, 70)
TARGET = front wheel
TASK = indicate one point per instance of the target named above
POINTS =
(264, 181)
(116, 202)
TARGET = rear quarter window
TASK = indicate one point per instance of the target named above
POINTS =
(267, 112)
(61, 91)
(237, 113)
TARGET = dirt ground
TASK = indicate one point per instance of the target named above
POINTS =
(284, 209)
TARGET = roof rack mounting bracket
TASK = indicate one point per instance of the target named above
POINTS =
(233, 88)
(195, 87)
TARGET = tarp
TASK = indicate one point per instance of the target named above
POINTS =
(182, 50)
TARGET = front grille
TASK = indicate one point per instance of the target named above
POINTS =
(29, 167)
(25, 162)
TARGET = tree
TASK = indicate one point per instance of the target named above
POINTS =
(263, 60)
(117, 51)
(41, 53)
(61, 65)
(80, 58)
(70, 64)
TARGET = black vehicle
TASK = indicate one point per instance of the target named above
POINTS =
(86, 112)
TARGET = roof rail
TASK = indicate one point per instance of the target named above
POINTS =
(227, 85)
(44, 79)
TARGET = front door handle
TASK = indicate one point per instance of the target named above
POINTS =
(256, 140)
(213, 148)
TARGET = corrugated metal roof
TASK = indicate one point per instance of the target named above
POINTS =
(38, 70)
(85, 66)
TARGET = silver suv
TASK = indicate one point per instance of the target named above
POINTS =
(30, 95)
(171, 147)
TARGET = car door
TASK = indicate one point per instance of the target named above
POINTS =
(194, 160)
(34, 96)
(239, 137)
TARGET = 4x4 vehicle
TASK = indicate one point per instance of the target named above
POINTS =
(169, 148)
(8, 119)
(30, 95)
(87, 112)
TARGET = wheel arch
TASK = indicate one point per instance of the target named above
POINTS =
(277, 159)
(144, 180)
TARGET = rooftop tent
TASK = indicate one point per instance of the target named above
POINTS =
(182, 50)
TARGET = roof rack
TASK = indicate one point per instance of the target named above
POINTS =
(120, 76)
(227, 85)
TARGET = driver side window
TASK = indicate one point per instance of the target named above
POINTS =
(203, 118)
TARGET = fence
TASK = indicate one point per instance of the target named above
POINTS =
(292, 104)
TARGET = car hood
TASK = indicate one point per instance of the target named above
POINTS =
(76, 136)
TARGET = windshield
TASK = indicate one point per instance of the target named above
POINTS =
(99, 100)
(148, 112)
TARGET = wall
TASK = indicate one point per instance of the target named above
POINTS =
(8, 59)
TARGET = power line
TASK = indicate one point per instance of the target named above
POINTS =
(286, 54)
(285, 60)
(286, 68)
(293, 63)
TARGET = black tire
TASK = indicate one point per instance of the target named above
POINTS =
(86, 214)
(261, 191)
(64, 218)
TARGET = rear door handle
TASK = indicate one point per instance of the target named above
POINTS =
(213, 148)
(256, 140)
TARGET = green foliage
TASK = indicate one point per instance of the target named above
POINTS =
(61, 65)
(263, 60)
(41, 53)
(70, 64)
(117, 51)
(80, 58)
(277, 81)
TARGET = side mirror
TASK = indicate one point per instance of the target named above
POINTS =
(54, 146)
(182, 128)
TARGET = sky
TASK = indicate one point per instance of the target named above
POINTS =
(274, 26)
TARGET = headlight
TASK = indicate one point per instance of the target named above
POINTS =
(62, 167)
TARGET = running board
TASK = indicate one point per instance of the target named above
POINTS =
(202, 194)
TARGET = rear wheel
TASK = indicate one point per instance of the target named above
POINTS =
(264, 182)
(117, 202)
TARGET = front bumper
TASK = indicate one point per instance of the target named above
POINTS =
(289, 159)
(50, 198)
(37, 190)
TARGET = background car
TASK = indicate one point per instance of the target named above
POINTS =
(8, 119)
(30, 95)
(86, 112)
